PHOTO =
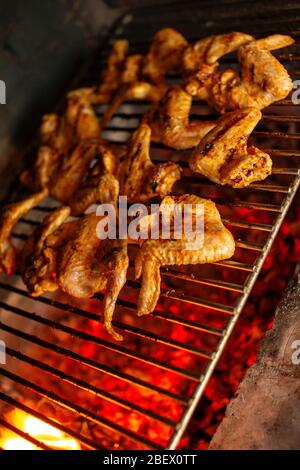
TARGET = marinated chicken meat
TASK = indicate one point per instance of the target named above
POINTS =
(39, 255)
(61, 139)
(262, 80)
(140, 179)
(200, 60)
(88, 265)
(100, 183)
(110, 78)
(71, 256)
(9, 216)
(169, 121)
(143, 77)
(223, 155)
(165, 54)
(217, 244)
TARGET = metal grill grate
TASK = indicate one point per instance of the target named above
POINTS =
(178, 346)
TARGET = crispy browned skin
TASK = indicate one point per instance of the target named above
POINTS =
(39, 253)
(9, 217)
(223, 155)
(56, 138)
(70, 256)
(62, 140)
(165, 54)
(138, 90)
(71, 173)
(132, 87)
(200, 59)
(140, 179)
(262, 81)
(100, 183)
(218, 244)
(169, 121)
(88, 265)
(142, 77)
(110, 78)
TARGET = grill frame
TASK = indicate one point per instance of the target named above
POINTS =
(119, 30)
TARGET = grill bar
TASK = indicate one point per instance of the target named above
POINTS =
(232, 321)
(86, 386)
(66, 353)
(79, 410)
(87, 337)
(31, 411)
(23, 434)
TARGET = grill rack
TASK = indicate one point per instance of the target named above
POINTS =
(272, 198)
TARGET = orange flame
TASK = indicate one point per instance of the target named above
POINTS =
(43, 432)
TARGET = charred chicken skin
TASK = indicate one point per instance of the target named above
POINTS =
(200, 60)
(165, 55)
(71, 256)
(89, 265)
(217, 244)
(169, 121)
(143, 77)
(140, 179)
(262, 80)
(223, 155)
(100, 183)
(39, 254)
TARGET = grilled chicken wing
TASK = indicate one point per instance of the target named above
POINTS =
(110, 79)
(263, 79)
(140, 179)
(223, 155)
(9, 217)
(143, 77)
(70, 256)
(133, 87)
(200, 60)
(100, 184)
(88, 265)
(165, 54)
(59, 138)
(169, 121)
(217, 244)
(40, 252)
(56, 141)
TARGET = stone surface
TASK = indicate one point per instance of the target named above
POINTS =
(266, 412)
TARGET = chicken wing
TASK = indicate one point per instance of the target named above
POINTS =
(72, 171)
(169, 121)
(217, 244)
(56, 141)
(165, 54)
(88, 265)
(223, 155)
(100, 184)
(133, 87)
(140, 179)
(110, 78)
(59, 137)
(263, 79)
(9, 217)
(40, 252)
(200, 60)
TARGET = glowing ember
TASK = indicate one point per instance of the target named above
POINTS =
(43, 432)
